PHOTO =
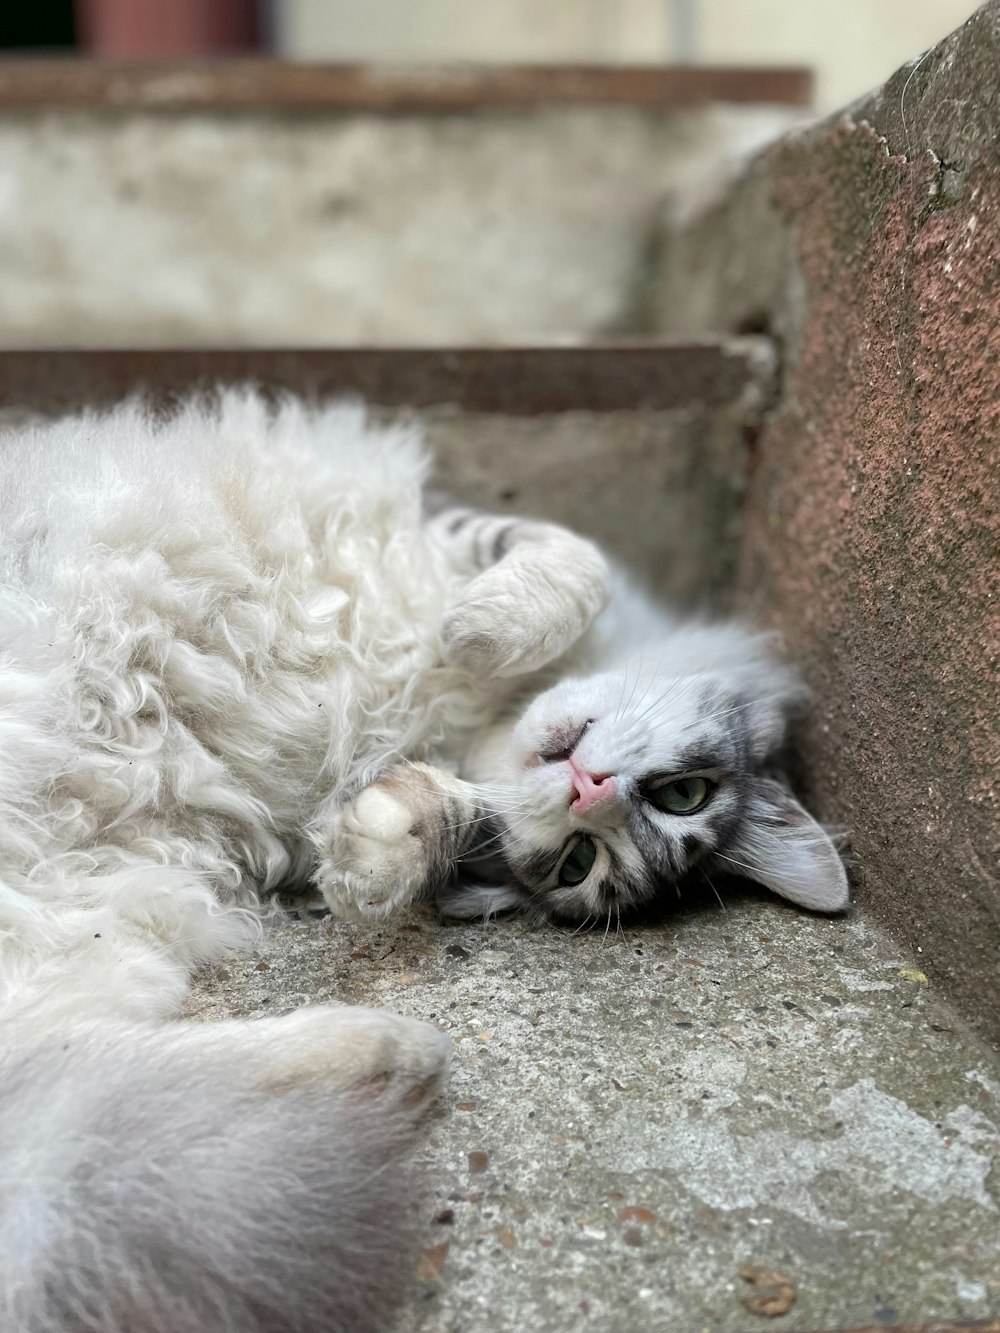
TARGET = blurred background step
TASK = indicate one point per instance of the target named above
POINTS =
(277, 86)
(254, 203)
(643, 446)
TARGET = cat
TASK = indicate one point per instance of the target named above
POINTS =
(241, 649)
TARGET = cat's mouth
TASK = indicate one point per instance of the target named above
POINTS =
(561, 741)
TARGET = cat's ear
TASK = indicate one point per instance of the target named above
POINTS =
(782, 847)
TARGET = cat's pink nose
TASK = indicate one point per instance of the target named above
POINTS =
(589, 789)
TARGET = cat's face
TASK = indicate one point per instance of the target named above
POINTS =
(622, 783)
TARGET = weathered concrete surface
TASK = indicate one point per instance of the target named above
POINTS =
(872, 529)
(136, 228)
(660, 490)
(525, 379)
(642, 448)
(632, 1119)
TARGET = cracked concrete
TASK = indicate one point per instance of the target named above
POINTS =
(633, 1118)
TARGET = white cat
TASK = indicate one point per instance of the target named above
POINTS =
(235, 655)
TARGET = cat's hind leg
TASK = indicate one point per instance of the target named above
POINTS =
(242, 1176)
(397, 1062)
(399, 837)
(533, 589)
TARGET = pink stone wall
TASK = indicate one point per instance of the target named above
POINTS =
(872, 531)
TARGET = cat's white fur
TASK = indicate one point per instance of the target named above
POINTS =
(209, 631)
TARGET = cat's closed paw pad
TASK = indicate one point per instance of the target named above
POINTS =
(377, 816)
(376, 860)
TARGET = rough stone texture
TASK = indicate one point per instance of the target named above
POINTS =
(631, 1119)
(123, 227)
(872, 525)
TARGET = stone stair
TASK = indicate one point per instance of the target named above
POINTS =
(636, 1117)
(261, 204)
(622, 442)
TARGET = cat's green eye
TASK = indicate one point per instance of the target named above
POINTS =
(683, 796)
(578, 865)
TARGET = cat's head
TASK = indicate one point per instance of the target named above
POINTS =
(620, 784)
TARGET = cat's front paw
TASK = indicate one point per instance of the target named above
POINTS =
(522, 614)
(375, 861)
(490, 635)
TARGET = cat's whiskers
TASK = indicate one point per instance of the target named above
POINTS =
(635, 686)
(649, 685)
(494, 787)
(620, 932)
(653, 675)
(507, 828)
(707, 878)
(677, 689)
(752, 870)
(607, 927)
(494, 812)
(660, 704)
(621, 695)
(737, 708)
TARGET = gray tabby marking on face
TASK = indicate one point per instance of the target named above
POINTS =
(691, 786)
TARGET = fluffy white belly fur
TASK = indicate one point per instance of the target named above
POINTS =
(208, 633)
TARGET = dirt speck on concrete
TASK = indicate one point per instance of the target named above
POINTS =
(772, 1293)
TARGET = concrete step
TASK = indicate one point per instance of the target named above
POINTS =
(255, 203)
(646, 1113)
(634, 1118)
(623, 442)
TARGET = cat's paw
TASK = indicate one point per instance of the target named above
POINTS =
(352, 1049)
(522, 614)
(400, 1062)
(375, 861)
(487, 633)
